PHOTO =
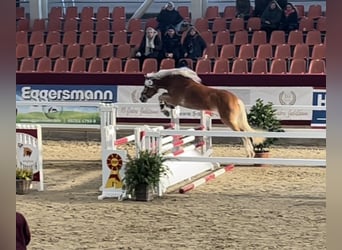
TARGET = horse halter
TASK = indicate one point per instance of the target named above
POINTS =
(148, 83)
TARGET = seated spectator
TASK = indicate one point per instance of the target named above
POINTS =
(290, 19)
(270, 19)
(171, 47)
(150, 46)
(193, 44)
(243, 8)
(169, 16)
(23, 235)
(260, 6)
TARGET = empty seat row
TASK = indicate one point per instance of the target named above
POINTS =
(203, 66)
(86, 37)
(74, 50)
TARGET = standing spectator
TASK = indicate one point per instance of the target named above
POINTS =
(270, 19)
(171, 47)
(281, 3)
(150, 46)
(290, 19)
(193, 44)
(243, 8)
(169, 16)
(23, 235)
(260, 6)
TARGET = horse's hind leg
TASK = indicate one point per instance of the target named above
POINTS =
(233, 124)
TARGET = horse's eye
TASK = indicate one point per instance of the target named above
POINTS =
(148, 82)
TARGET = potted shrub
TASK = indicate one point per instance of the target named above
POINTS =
(143, 173)
(263, 116)
(23, 180)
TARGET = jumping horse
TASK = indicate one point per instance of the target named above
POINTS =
(184, 88)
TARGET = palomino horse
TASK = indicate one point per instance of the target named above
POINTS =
(184, 88)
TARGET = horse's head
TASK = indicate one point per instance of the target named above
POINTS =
(149, 90)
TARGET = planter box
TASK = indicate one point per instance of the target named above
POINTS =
(23, 186)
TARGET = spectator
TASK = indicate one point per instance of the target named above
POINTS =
(183, 64)
(193, 44)
(281, 3)
(260, 6)
(150, 46)
(270, 19)
(290, 18)
(243, 8)
(171, 47)
(23, 235)
(169, 16)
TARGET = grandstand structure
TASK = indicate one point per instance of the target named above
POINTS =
(101, 37)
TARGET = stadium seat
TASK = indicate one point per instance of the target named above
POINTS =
(277, 37)
(123, 51)
(114, 65)
(203, 66)
(259, 37)
(221, 66)
(37, 37)
(278, 66)
(167, 63)
(253, 24)
(149, 65)
(56, 51)
(237, 24)
(240, 66)
(27, 65)
(96, 65)
(21, 37)
(53, 37)
(106, 51)
(86, 37)
(298, 66)
(39, 51)
(317, 66)
(102, 13)
(132, 65)
(44, 64)
(78, 65)
(102, 37)
(89, 51)
(259, 66)
(61, 65)
(212, 12)
(229, 12)
(314, 11)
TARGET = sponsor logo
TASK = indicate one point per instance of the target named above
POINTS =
(287, 98)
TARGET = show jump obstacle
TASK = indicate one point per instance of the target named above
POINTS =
(29, 152)
(113, 159)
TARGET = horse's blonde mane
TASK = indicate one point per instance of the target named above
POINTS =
(186, 72)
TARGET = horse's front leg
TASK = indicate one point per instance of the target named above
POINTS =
(163, 104)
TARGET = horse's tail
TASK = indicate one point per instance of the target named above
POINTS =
(244, 125)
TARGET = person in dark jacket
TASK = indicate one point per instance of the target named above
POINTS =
(150, 46)
(169, 16)
(193, 44)
(23, 234)
(243, 8)
(290, 19)
(260, 6)
(270, 19)
(171, 44)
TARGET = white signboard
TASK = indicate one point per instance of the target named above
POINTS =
(279, 96)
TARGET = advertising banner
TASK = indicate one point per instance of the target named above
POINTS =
(54, 114)
(279, 96)
(319, 117)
